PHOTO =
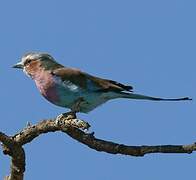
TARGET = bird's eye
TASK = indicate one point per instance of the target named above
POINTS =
(28, 61)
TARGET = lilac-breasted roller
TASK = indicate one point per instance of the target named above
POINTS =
(71, 88)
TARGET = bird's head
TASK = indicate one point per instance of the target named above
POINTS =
(32, 62)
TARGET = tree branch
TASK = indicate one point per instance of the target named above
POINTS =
(13, 149)
(74, 128)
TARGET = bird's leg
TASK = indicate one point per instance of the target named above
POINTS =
(77, 105)
(70, 118)
(74, 109)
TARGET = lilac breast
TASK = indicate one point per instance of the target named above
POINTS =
(46, 85)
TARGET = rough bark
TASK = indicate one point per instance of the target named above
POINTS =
(13, 145)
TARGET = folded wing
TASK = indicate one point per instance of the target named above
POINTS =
(87, 81)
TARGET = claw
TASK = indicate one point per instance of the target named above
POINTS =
(64, 117)
(71, 120)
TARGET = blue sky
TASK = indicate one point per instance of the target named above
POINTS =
(149, 44)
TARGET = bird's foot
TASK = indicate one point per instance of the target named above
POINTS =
(70, 119)
(68, 115)
(78, 123)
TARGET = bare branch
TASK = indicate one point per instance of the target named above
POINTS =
(13, 149)
(72, 126)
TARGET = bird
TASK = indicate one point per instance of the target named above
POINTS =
(74, 89)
